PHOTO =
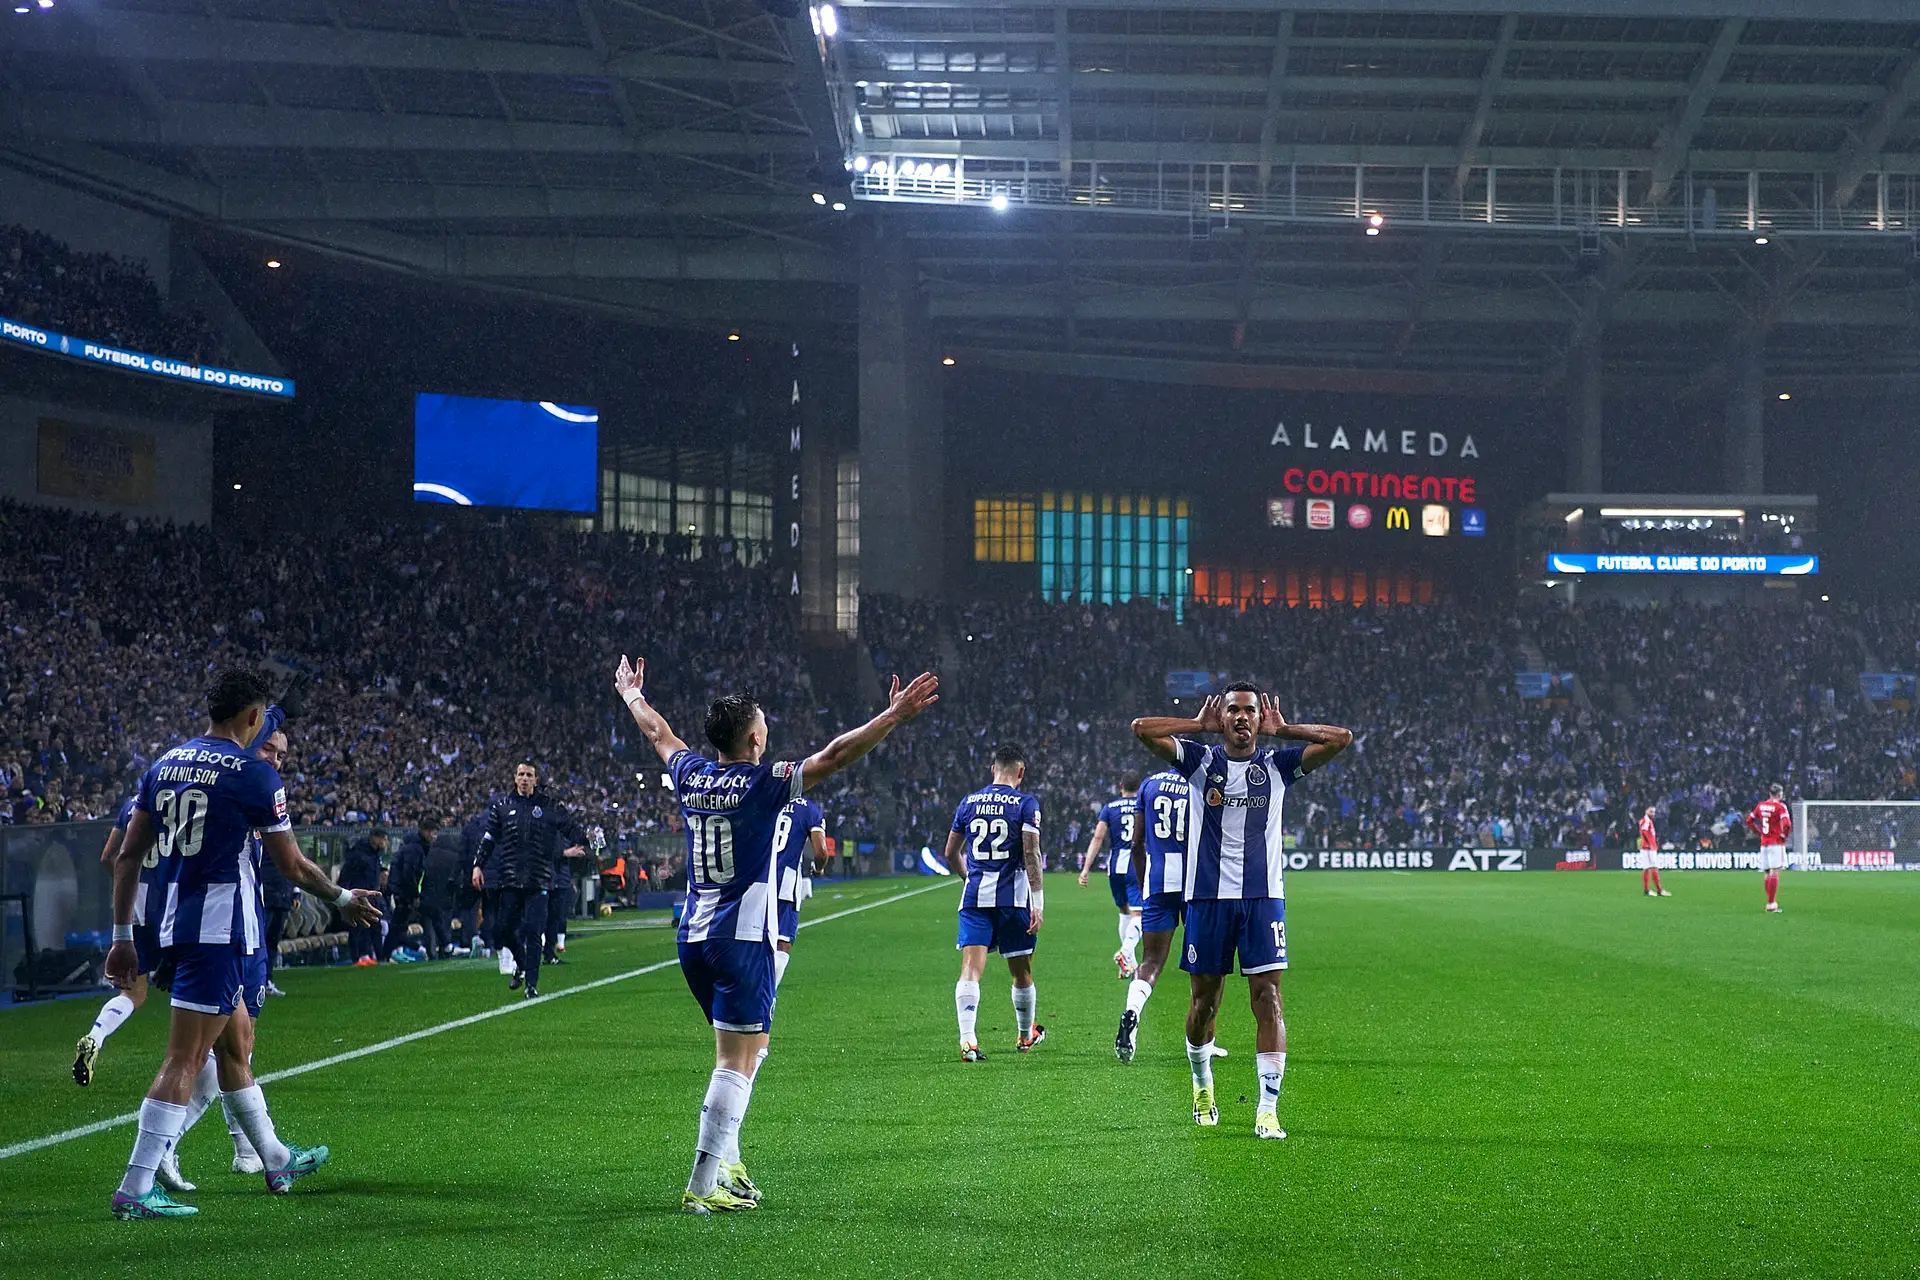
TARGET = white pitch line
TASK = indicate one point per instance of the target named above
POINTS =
(101, 1126)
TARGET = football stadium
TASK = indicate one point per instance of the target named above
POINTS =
(634, 633)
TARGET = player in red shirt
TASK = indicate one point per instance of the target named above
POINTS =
(1773, 824)
(1650, 845)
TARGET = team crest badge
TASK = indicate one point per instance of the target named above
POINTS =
(1193, 954)
(1214, 797)
(1256, 776)
(536, 811)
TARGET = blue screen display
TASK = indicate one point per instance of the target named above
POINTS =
(505, 453)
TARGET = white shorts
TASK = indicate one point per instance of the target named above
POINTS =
(1773, 857)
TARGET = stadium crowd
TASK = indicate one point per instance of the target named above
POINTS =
(437, 652)
(98, 297)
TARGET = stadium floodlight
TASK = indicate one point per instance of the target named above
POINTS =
(839, 206)
(999, 202)
(881, 168)
(948, 361)
(1786, 395)
(1673, 513)
(273, 264)
(925, 170)
(942, 172)
(733, 337)
(828, 21)
(860, 164)
(1759, 239)
(813, 12)
(819, 197)
(1375, 220)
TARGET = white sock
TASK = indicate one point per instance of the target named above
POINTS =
(1130, 937)
(720, 1116)
(160, 1127)
(559, 943)
(507, 965)
(1200, 1058)
(111, 1015)
(206, 1087)
(250, 1105)
(966, 1003)
(732, 1138)
(1137, 993)
(780, 959)
(1124, 917)
(1271, 1067)
(1025, 1001)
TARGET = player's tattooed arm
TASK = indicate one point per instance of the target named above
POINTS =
(903, 704)
(356, 905)
(1030, 852)
(1100, 834)
(1324, 741)
(629, 681)
(956, 846)
(1157, 733)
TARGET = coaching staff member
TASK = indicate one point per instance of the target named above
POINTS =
(515, 859)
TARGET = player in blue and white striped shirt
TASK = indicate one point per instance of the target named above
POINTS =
(200, 804)
(1235, 862)
(995, 844)
(729, 925)
(1115, 827)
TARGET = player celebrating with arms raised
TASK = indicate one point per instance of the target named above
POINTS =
(1236, 897)
(1773, 824)
(729, 925)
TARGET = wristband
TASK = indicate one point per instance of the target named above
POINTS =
(632, 696)
(123, 933)
(345, 899)
(1038, 899)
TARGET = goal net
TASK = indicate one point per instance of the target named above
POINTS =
(1857, 834)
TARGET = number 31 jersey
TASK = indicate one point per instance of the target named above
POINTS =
(991, 822)
(206, 798)
(731, 810)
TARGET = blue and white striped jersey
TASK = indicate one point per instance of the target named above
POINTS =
(1163, 808)
(993, 820)
(731, 811)
(206, 798)
(1120, 814)
(792, 849)
(149, 900)
(1234, 836)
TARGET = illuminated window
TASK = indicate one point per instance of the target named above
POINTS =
(1003, 530)
(846, 544)
(1112, 548)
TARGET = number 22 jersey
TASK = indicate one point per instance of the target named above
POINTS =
(991, 822)
(730, 811)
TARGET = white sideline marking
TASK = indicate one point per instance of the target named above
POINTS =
(101, 1126)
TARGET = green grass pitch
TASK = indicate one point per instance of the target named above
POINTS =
(1524, 1075)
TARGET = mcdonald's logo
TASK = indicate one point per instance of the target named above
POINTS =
(1397, 518)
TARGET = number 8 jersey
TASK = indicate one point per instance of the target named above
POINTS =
(731, 810)
(991, 821)
(206, 798)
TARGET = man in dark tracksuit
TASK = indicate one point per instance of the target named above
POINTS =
(476, 902)
(569, 846)
(403, 885)
(521, 826)
(440, 888)
(363, 868)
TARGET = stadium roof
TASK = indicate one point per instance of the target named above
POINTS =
(1186, 188)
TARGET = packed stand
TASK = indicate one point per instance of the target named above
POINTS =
(98, 297)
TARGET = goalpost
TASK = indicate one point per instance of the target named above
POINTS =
(1857, 834)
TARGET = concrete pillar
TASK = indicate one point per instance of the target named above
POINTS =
(1585, 412)
(901, 434)
(1745, 455)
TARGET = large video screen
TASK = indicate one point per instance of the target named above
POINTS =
(505, 453)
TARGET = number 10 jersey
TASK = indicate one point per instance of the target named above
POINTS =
(991, 822)
(731, 810)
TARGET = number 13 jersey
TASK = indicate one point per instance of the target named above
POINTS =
(990, 823)
(731, 810)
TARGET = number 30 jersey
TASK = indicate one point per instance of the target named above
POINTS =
(731, 810)
(206, 798)
(991, 822)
